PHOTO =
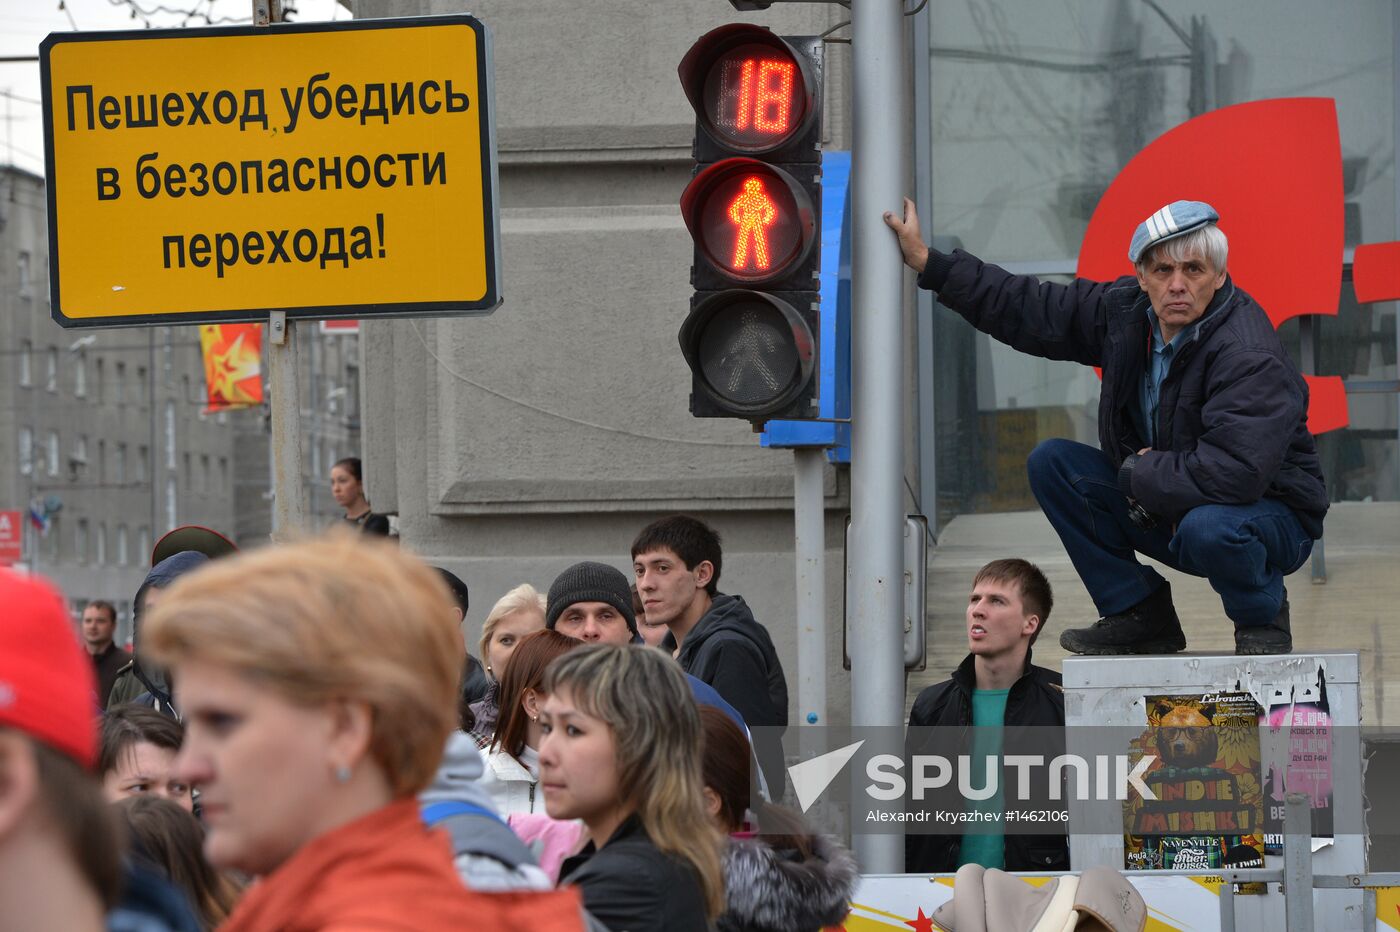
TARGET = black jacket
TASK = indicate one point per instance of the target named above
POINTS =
(766, 890)
(629, 885)
(108, 665)
(1232, 418)
(732, 652)
(1035, 699)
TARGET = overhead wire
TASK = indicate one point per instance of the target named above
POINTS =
(442, 364)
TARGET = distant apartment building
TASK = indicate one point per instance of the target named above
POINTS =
(104, 437)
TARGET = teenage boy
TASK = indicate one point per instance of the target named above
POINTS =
(714, 636)
(995, 686)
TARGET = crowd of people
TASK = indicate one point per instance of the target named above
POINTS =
(300, 740)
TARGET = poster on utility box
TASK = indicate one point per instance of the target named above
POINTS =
(1209, 808)
(325, 170)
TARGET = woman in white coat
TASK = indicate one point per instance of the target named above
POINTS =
(512, 759)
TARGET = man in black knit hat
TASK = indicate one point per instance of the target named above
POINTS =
(592, 602)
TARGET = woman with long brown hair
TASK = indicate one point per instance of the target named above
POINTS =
(169, 839)
(512, 761)
(778, 876)
(621, 751)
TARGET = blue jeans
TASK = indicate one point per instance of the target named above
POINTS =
(1243, 550)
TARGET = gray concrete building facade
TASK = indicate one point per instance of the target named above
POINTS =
(555, 429)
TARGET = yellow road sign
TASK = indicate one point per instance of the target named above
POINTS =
(326, 170)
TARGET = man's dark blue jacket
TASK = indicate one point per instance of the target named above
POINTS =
(1232, 419)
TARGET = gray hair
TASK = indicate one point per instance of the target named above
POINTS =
(1208, 242)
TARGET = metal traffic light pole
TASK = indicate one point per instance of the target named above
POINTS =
(879, 165)
(284, 386)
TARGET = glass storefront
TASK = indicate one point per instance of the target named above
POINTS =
(1027, 112)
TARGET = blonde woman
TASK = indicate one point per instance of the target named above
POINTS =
(621, 751)
(516, 615)
(318, 683)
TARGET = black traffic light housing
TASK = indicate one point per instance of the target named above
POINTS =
(753, 209)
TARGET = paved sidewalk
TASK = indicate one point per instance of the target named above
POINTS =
(1357, 608)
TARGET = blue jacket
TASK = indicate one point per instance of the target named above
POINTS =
(1232, 417)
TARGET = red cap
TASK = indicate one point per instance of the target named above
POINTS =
(47, 684)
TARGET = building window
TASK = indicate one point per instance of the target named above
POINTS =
(26, 364)
(80, 540)
(143, 463)
(101, 541)
(79, 458)
(25, 290)
(121, 383)
(26, 451)
(52, 452)
(170, 513)
(141, 393)
(166, 353)
(143, 544)
(80, 374)
(204, 478)
(223, 474)
(189, 472)
(100, 380)
(122, 555)
(51, 371)
(121, 464)
(170, 438)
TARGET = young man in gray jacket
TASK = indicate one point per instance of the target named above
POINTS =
(714, 636)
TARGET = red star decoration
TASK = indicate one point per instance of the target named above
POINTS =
(920, 924)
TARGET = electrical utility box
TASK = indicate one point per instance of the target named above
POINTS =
(1276, 721)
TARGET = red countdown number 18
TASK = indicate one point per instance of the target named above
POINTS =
(761, 91)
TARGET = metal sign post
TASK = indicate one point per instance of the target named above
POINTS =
(289, 515)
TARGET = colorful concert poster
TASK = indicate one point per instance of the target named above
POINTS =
(1209, 810)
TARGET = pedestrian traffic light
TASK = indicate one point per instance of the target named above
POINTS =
(753, 211)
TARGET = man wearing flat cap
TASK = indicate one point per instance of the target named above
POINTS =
(1205, 462)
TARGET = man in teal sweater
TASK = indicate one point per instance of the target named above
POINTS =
(996, 686)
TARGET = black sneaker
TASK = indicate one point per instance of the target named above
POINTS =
(1274, 638)
(1149, 627)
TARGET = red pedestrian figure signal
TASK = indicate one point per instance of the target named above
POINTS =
(761, 92)
(753, 211)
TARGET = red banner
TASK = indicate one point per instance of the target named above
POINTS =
(232, 365)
